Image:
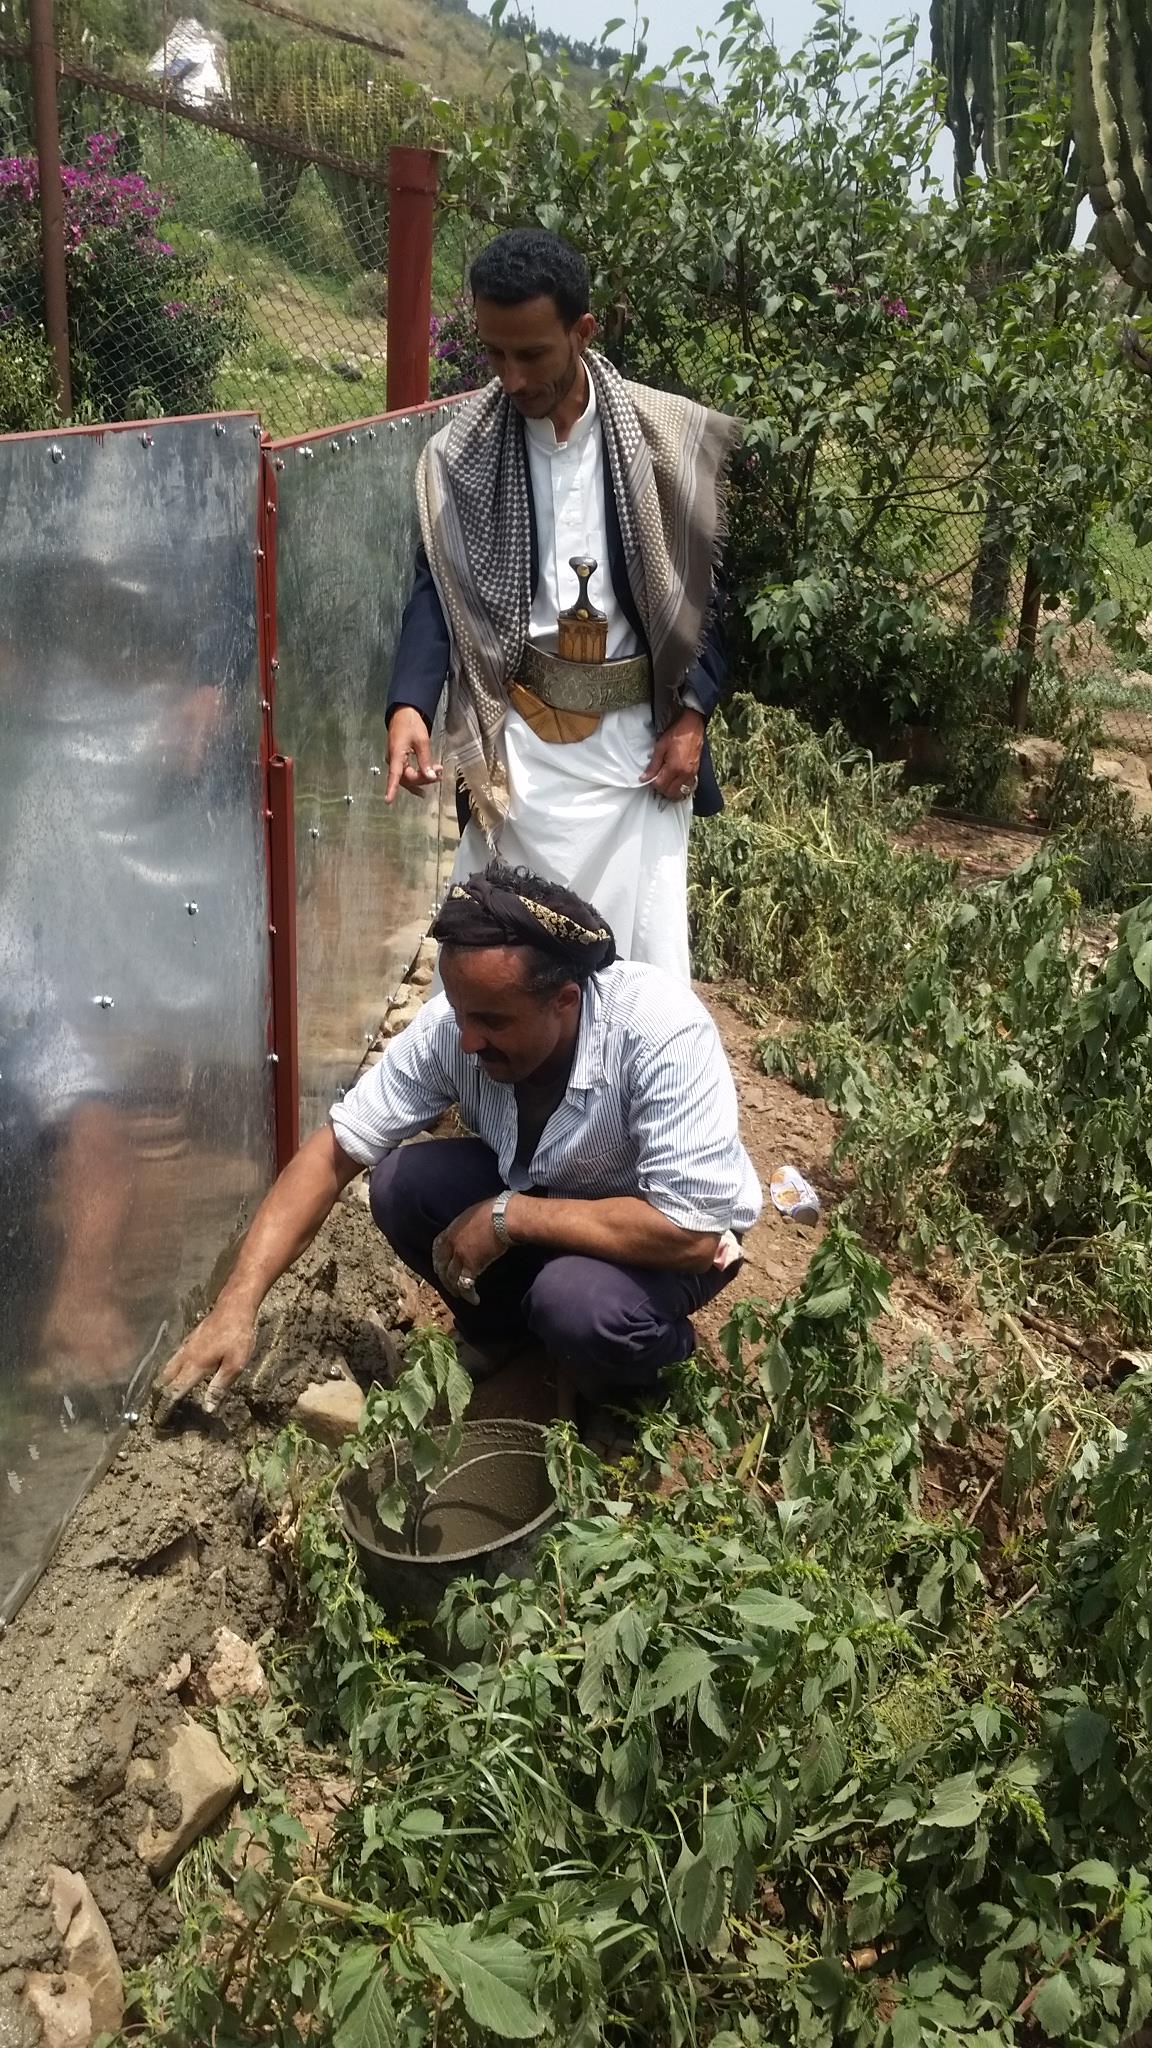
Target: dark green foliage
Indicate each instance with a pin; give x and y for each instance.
(754, 1758)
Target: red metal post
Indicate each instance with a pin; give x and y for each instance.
(42, 54)
(280, 821)
(282, 893)
(413, 180)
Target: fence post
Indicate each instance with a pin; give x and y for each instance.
(413, 180)
(42, 56)
(1026, 645)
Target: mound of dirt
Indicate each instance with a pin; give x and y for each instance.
(161, 1555)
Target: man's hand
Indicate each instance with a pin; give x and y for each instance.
(286, 1221)
(463, 1251)
(410, 763)
(217, 1350)
(675, 764)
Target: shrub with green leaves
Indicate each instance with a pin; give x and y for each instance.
(150, 326)
(755, 1757)
(932, 396)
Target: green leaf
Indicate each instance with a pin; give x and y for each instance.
(822, 1764)
(1096, 1875)
(392, 1506)
(371, 2022)
(422, 1821)
(492, 1972)
(956, 1803)
(1085, 1734)
(457, 1388)
(1056, 2006)
(822, 1307)
(677, 1674)
(904, 2028)
(1000, 1982)
(771, 1611)
(357, 1963)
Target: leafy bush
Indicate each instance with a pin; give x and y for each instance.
(459, 362)
(150, 326)
(756, 1757)
(368, 295)
(931, 394)
(996, 1095)
(27, 378)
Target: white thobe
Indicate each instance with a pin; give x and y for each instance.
(578, 812)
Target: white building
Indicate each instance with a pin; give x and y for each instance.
(193, 61)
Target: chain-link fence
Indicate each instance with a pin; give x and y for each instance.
(235, 255)
(933, 530)
(209, 267)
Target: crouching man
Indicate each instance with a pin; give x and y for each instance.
(600, 1202)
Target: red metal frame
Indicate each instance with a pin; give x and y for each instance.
(280, 836)
(282, 895)
(98, 432)
(376, 419)
(413, 184)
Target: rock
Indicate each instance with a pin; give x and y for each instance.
(422, 973)
(1129, 774)
(195, 1770)
(89, 1951)
(234, 1671)
(1038, 760)
(60, 2003)
(177, 1674)
(117, 1732)
(330, 1411)
(403, 1012)
(9, 1806)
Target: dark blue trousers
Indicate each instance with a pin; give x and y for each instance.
(613, 1328)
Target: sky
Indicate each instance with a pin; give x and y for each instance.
(672, 22)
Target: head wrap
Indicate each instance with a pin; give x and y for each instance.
(505, 907)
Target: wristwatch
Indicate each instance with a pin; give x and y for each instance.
(498, 1223)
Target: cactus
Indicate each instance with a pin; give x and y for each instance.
(1103, 50)
(1109, 51)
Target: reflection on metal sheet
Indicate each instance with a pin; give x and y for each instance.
(134, 1084)
(366, 871)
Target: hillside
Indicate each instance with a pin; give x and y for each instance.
(445, 46)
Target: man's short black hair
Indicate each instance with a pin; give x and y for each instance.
(532, 263)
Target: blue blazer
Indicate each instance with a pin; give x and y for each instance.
(420, 669)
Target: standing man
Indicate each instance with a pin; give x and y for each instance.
(577, 703)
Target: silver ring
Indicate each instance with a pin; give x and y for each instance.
(686, 789)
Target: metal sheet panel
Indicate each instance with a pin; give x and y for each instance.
(366, 872)
(134, 1084)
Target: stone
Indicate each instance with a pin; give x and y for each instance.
(330, 1411)
(177, 1674)
(9, 1806)
(422, 973)
(1038, 760)
(234, 1671)
(196, 1772)
(89, 1950)
(404, 1012)
(1129, 774)
(60, 2004)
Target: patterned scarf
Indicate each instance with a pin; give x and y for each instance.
(667, 459)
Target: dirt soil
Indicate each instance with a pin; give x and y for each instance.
(162, 1553)
(165, 1549)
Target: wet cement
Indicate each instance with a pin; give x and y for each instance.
(162, 1553)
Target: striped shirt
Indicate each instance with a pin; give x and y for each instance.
(649, 1110)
